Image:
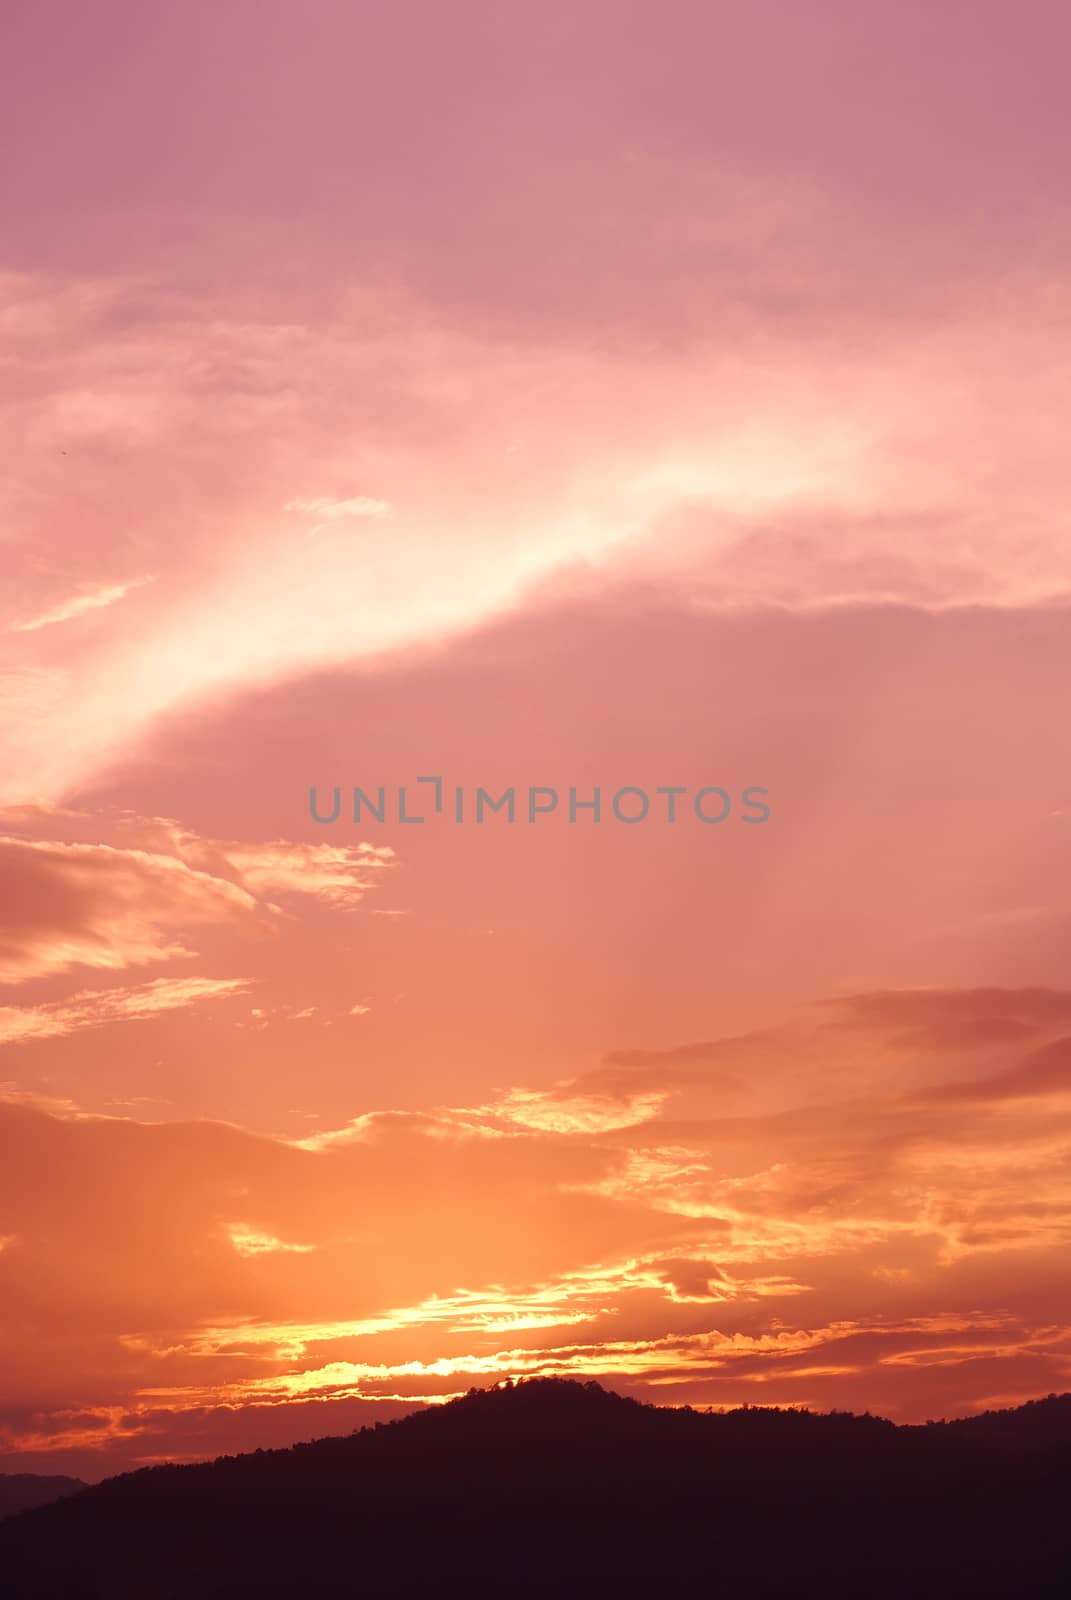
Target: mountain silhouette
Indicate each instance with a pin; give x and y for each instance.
(553, 1488)
(19, 1491)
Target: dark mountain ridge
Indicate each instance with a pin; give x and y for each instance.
(555, 1488)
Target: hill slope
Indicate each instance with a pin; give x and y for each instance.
(556, 1489)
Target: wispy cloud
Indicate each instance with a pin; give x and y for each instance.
(331, 510)
(93, 1009)
(252, 1242)
(337, 874)
(674, 1359)
(78, 604)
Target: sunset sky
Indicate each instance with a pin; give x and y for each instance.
(605, 394)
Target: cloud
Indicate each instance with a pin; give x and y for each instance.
(98, 906)
(934, 1006)
(750, 467)
(249, 1242)
(567, 1111)
(680, 1359)
(330, 510)
(339, 875)
(70, 902)
(1043, 1072)
(78, 605)
(96, 1008)
(414, 1253)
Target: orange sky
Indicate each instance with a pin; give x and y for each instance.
(563, 396)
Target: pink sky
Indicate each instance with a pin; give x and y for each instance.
(603, 394)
